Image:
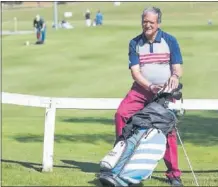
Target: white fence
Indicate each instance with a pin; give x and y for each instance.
(53, 103)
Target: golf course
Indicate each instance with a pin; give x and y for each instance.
(92, 62)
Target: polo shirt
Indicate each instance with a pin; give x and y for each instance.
(155, 59)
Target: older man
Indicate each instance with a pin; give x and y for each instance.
(154, 60)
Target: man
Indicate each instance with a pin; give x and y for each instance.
(40, 28)
(154, 60)
(99, 18)
(88, 18)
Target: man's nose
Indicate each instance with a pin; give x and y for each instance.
(148, 24)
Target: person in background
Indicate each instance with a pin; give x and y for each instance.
(88, 18)
(40, 28)
(99, 18)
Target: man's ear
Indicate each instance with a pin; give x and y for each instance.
(158, 25)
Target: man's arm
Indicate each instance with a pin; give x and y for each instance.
(137, 76)
(176, 63)
(177, 70)
(42, 24)
(34, 23)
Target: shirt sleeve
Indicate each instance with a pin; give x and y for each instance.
(133, 56)
(175, 53)
(34, 23)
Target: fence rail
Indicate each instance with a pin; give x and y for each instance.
(53, 103)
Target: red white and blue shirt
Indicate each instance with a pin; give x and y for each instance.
(155, 59)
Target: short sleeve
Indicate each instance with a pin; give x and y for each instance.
(175, 53)
(133, 55)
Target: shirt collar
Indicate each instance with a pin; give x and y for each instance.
(157, 38)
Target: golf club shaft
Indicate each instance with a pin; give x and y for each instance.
(195, 178)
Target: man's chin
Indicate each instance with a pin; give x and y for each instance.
(148, 34)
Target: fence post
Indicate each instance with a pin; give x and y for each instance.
(49, 130)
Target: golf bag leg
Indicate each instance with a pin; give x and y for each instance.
(189, 163)
(43, 35)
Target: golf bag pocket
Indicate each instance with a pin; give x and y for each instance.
(111, 159)
(136, 160)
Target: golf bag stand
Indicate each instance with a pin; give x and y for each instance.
(186, 156)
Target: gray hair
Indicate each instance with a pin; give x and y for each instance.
(154, 10)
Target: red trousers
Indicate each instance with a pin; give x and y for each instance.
(135, 101)
(38, 35)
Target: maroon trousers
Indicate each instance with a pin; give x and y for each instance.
(135, 101)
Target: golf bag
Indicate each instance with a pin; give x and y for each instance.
(142, 144)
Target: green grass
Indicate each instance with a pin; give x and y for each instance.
(93, 62)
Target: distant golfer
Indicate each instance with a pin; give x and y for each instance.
(40, 27)
(99, 18)
(88, 18)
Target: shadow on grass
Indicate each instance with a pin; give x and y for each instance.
(89, 167)
(95, 182)
(94, 167)
(104, 121)
(61, 138)
(30, 165)
(197, 129)
(200, 130)
(161, 179)
(34, 166)
(86, 167)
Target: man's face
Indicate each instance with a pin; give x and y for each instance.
(37, 18)
(150, 24)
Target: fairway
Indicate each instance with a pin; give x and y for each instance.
(93, 62)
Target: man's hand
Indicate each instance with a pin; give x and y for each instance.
(173, 82)
(155, 88)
